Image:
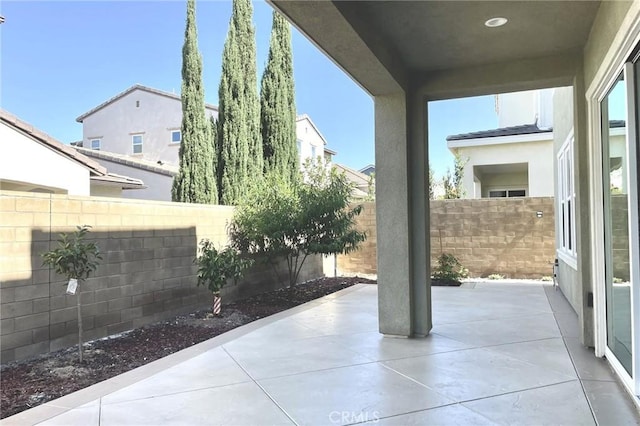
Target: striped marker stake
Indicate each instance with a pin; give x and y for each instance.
(217, 300)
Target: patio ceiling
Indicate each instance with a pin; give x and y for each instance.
(386, 44)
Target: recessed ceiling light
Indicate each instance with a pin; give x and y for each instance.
(496, 22)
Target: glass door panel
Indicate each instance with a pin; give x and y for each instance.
(616, 223)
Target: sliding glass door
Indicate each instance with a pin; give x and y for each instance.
(615, 184)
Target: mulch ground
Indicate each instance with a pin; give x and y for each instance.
(26, 384)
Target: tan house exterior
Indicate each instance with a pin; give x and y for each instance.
(141, 121)
(53, 167)
(405, 54)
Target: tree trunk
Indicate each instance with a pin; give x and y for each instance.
(79, 326)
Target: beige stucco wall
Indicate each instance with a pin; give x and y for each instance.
(525, 108)
(538, 155)
(155, 118)
(146, 275)
(25, 161)
(501, 181)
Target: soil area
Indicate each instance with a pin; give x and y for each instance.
(26, 384)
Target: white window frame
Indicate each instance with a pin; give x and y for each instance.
(134, 144)
(91, 141)
(625, 42)
(171, 141)
(506, 191)
(566, 198)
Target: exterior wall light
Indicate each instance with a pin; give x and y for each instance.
(496, 22)
(538, 214)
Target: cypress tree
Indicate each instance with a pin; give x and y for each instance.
(239, 138)
(195, 181)
(278, 106)
(215, 149)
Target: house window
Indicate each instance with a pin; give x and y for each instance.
(508, 193)
(313, 153)
(176, 136)
(95, 144)
(566, 200)
(137, 144)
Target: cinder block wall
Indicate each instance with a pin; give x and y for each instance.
(620, 237)
(488, 236)
(363, 260)
(146, 275)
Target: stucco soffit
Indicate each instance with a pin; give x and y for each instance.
(337, 30)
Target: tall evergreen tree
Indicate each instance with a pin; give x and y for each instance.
(215, 149)
(239, 138)
(278, 104)
(195, 181)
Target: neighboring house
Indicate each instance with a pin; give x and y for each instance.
(138, 132)
(157, 176)
(311, 144)
(141, 122)
(144, 122)
(32, 161)
(368, 170)
(514, 160)
(364, 186)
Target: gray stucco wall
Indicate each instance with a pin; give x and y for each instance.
(604, 29)
(563, 122)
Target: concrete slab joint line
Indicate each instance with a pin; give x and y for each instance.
(497, 355)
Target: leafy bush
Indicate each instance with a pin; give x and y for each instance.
(216, 267)
(292, 221)
(496, 277)
(74, 258)
(449, 268)
(546, 278)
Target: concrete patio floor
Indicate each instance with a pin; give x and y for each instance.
(499, 353)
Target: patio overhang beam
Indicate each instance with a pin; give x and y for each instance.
(514, 76)
(337, 30)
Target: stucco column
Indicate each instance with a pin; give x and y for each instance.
(402, 216)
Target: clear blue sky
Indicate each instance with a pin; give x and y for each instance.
(61, 58)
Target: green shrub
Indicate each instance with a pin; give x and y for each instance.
(74, 258)
(449, 268)
(546, 278)
(292, 221)
(216, 267)
(496, 277)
